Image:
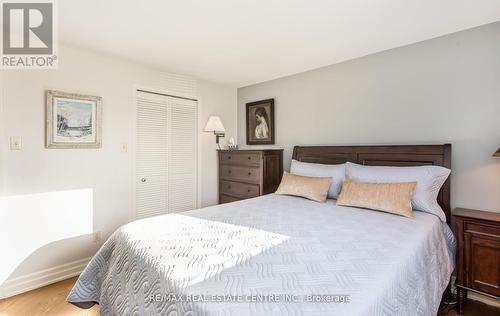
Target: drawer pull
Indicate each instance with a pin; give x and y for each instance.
(229, 171)
(228, 157)
(249, 190)
(249, 158)
(249, 173)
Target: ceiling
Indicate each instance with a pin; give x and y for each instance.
(242, 42)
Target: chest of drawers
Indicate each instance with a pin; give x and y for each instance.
(248, 173)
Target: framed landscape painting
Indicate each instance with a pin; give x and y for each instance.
(260, 122)
(73, 120)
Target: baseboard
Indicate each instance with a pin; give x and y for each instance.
(41, 278)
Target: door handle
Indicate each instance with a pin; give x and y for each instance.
(143, 180)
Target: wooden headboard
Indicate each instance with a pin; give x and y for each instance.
(393, 155)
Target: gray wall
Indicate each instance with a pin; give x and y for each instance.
(444, 90)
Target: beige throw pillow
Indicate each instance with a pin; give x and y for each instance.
(312, 188)
(392, 198)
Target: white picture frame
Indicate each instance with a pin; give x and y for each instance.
(72, 120)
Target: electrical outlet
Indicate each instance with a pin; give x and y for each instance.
(16, 143)
(97, 237)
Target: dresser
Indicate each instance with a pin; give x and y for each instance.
(478, 253)
(245, 174)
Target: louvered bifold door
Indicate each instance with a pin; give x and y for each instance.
(167, 154)
(152, 155)
(183, 158)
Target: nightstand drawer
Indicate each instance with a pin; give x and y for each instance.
(237, 173)
(240, 158)
(482, 229)
(240, 189)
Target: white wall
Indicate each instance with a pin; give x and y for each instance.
(222, 102)
(106, 171)
(444, 90)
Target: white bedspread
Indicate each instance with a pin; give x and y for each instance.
(279, 249)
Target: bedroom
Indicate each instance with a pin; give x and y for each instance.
(98, 144)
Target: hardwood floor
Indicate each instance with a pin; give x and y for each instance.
(472, 308)
(51, 300)
(48, 300)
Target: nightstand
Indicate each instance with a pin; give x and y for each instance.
(478, 253)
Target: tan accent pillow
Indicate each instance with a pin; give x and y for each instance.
(312, 188)
(392, 198)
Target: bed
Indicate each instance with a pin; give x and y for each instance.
(280, 255)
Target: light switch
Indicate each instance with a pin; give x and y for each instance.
(124, 147)
(16, 143)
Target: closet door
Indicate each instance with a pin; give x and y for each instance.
(183, 162)
(166, 156)
(151, 155)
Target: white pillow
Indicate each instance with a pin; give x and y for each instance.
(337, 172)
(429, 180)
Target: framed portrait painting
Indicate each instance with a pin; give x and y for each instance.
(260, 122)
(73, 120)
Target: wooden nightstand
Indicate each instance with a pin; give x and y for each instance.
(478, 253)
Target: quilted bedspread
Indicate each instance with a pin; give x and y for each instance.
(272, 255)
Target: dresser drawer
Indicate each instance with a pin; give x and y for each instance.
(227, 199)
(240, 158)
(482, 229)
(240, 173)
(240, 189)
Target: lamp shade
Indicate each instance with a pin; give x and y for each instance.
(214, 124)
(497, 153)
